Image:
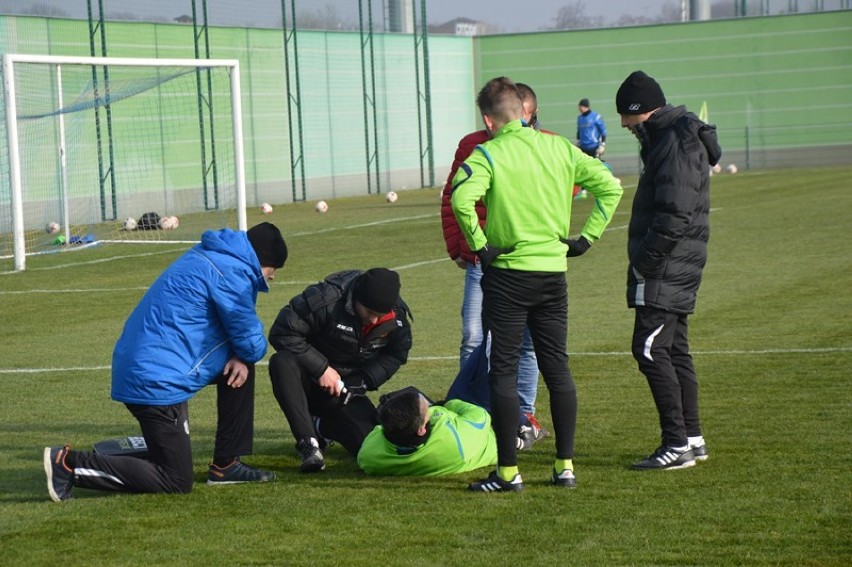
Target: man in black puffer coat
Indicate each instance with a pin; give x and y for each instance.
(667, 249)
(335, 341)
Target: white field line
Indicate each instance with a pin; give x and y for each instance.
(780, 351)
(294, 234)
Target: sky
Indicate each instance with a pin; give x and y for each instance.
(507, 15)
(535, 14)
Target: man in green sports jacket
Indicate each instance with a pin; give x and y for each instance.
(525, 180)
(416, 439)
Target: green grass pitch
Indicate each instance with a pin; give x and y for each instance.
(771, 338)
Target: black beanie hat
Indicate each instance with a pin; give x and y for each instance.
(639, 94)
(377, 289)
(584, 102)
(268, 244)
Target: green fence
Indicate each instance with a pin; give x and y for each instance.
(778, 88)
(332, 99)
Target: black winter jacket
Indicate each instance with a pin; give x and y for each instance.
(321, 328)
(670, 226)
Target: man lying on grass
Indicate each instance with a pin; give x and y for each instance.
(418, 437)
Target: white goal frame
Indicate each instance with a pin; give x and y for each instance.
(9, 61)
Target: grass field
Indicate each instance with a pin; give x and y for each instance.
(771, 338)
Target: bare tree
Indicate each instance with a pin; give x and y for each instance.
(573, 17)
(45, 10)
(122, 16)
(326, 17)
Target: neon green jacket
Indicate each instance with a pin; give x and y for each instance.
(461, 440)
(514, 173)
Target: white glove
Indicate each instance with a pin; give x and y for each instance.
(601, 149)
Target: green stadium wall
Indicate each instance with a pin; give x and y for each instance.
(778, 88)
(332, 104)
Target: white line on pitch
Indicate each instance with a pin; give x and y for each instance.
(431, 358)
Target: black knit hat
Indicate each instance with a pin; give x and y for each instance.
(584, 102)
(639, 94)
(377, 289)
(268, 244)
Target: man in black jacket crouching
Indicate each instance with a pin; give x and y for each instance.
(335, 341)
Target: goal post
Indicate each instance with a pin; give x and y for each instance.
(93, 144)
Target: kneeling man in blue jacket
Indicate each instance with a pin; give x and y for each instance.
(195, 326)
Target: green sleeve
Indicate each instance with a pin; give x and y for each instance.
(594, 176)
(470, 184)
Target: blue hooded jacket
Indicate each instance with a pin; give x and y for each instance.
(198, 314)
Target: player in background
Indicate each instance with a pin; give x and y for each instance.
(591, 130)
(591, 136)
(195, 326)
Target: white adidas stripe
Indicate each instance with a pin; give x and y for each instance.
(94, 473)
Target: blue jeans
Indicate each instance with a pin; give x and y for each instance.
(472, 336)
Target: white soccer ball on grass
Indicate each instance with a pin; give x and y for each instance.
(731, 169)
(392, 197)
(266, 208)
(52, 228)
(321, 206)
(129, 223)
(169, 223)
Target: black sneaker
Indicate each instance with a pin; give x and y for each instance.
(667, 458)
(237, 472)
(700, 452)
(565, 479)
(496, 484)
(60, 477)
(529, 433)
(312, 459)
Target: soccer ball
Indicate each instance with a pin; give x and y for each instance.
(717, 168)
(266, 208)
(731, 169)
(392, 197)
(321, 207)
(52, 227)
(130, 223)
(169, 223)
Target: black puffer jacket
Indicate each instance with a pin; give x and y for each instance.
(321, 328)
(670, 227)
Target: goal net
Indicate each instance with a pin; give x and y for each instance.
(116, 150)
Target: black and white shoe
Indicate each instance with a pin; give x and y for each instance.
(565, 479)
(496, 484)
(312, 459)
(60, 477)
(667, 458)
(700, 452)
